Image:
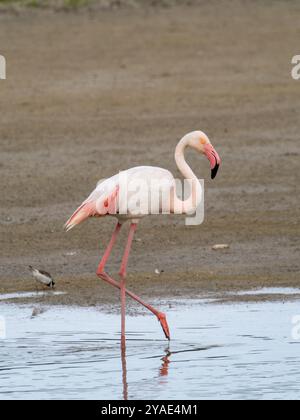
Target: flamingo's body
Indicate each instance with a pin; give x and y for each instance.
(113, 197)
(102, 201)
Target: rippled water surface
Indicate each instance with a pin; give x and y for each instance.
(239, 351)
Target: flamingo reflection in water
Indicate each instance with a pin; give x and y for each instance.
(163, 369)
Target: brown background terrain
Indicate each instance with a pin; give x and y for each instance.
(92, 91)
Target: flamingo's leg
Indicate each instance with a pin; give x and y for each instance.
(160, 315)
(109, 248)
(104, 276)
(122, 274)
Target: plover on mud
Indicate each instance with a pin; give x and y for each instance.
(42, 277)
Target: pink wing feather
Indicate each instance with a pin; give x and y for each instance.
(94, 207)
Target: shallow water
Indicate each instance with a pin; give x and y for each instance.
(29, 295)
(239, 351)
(270, 291)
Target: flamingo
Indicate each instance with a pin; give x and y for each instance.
(111, 196)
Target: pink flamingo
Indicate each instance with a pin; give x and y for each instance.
(110, 197)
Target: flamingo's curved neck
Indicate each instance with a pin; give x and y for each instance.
(181, 163)
(190, 205)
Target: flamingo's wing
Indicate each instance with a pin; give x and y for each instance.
(101, 202)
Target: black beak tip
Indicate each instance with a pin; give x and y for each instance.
(214, 171)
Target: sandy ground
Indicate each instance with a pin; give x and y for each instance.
(90, 93)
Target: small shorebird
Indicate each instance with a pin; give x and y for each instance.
(110, 196)
(42, 277)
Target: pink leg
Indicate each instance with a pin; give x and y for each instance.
(104, 276)
(109, 248)
(122, 273)
(160, 316)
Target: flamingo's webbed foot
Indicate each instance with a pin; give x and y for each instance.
(164, 324)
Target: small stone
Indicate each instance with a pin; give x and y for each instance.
(220, 246)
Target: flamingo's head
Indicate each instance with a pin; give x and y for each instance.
(200, 142)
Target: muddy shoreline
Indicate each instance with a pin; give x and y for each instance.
(88, 95)
(162, 289)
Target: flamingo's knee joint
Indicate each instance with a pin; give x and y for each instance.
(100, 273)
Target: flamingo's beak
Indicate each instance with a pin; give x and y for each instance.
(214, 159)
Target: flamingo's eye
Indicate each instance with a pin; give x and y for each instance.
(203, 141)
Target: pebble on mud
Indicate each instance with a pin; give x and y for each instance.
(220, 246)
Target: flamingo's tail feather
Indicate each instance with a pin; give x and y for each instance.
(100, 207)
